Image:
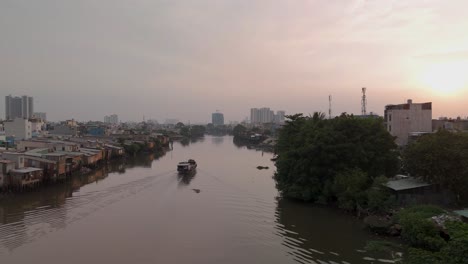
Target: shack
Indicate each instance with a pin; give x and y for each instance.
(21, 179)
(410, 190)
(5, 167)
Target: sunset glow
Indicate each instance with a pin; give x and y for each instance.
(446, 78)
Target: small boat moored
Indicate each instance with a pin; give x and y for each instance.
(186, 166)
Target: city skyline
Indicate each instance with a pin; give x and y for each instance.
(147, 59)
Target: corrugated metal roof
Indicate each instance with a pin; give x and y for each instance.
(26, 170)
(406, 184)
(463, 212)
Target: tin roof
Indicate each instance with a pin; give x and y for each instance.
(26, 170)
(463, 212)
(406, 184)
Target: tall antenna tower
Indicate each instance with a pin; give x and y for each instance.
(329, 106)
(363, 102)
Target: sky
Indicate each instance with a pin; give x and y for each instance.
(186, 59)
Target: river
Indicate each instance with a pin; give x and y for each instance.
(142, 211)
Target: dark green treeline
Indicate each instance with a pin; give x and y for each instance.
(343, 160)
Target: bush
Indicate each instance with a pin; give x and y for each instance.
(418, 230)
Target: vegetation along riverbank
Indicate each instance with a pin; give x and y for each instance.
(349, 162)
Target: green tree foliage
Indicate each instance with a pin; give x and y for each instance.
(327, 160)
(185, 131)
(441, 158)
(197, 131)
(424, 238)
(379, 198)
(179, 125)
(417, 230)
(350, 188)
(239, 130)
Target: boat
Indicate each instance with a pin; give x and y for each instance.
(186, 166)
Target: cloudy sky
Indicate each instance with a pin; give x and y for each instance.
(186, 59)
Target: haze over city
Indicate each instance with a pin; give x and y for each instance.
(185, 59)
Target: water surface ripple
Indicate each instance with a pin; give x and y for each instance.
(142, 211)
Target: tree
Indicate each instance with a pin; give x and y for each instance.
(185, 131)
(318, 157)
(179, 125)
(440, 158)
(197, 131)
(239, 130)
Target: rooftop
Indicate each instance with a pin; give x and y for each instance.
(26, 170)
(406, 184)
(463, 212)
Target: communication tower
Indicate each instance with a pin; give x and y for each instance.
(363, 102)
(329, 106)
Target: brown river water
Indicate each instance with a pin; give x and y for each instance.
(142, 211)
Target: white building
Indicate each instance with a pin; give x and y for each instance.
(403, 120)
(112, 119)
(261, 115)
(37, 125)
(265, 115)
(279, 117)
(19, 128)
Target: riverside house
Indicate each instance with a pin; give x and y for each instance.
(23, 178)
(5, 167)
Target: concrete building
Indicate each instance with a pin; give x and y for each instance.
(18, 107)
(64, 130)
(403, 120)
(217, 119)
(19, 128)
(40, 115)
(111, 119)
(266, 115)
(457, 124)
(279, 117)
(261, 115)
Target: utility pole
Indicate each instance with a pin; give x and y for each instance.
(329, 107)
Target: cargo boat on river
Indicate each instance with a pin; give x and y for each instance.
(186, 167)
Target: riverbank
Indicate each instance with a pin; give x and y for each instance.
(36, 163)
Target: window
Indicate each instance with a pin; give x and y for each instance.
(390, 117)
(390, 128)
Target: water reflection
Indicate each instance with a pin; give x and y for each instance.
(217, 140)
(27, 216)
(187, 141)
(185, 179)
(184, 142)
(323, 235)
(234, 216)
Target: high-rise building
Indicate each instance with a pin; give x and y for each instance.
(404, 120)
(279, 117)
(261, 115)
(18, 107)
(112, 119)
(217, 119)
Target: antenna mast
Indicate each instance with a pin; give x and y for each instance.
(329, 106)
(363, 102)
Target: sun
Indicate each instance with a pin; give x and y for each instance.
(446, 78)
